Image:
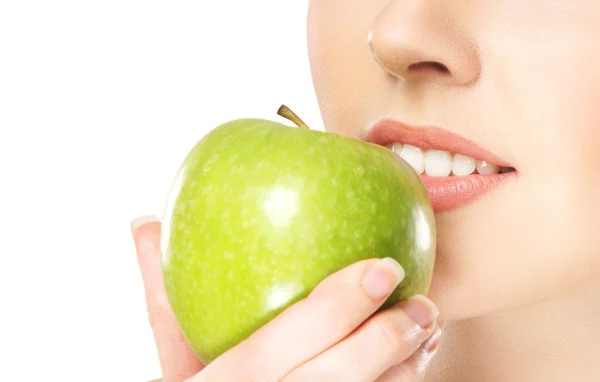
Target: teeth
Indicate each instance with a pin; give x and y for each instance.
(443, 163)
(438, 163)
(414, 156)
(463, 165)
(485, 168)
(396, 147)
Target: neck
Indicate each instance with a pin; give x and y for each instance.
(553, 340)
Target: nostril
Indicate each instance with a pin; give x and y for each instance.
(424, 65)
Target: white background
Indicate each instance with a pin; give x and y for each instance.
(99, 103)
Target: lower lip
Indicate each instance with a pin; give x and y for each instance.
(450, 192)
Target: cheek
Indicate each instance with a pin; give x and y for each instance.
(341, 63)
(546, 94)
(539, 235)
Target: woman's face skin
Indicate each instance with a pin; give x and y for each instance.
(522, 82)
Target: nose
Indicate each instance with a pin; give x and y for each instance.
(422, 41)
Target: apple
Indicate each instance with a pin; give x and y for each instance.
(260, 213)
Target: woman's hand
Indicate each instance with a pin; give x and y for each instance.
(331, 335)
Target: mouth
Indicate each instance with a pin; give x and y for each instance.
(454, 170)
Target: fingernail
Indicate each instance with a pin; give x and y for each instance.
(138, 222)
(381, 279)
(432, 342)
(422, 310)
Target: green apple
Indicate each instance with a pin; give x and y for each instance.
(260, 213)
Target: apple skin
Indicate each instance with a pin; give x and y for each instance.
(260, 213)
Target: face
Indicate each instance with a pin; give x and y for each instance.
(519, 80)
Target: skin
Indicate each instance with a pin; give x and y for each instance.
(517, 271)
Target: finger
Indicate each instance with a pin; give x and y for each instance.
(338, 305)
(177, 360)
(414, 368)
(386, 339)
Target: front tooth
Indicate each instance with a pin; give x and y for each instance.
(396, 147)
(463, 165)
(486, 168)
(414, 156)
(438, 163)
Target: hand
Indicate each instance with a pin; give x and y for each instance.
(331, 335)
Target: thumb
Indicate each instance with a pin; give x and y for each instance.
(177, 360)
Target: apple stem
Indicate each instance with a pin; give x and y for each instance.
(288, 114)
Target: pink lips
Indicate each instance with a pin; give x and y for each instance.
(447, 192)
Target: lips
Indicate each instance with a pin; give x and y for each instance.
(445, 192)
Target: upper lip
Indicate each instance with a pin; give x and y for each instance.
(387, 131)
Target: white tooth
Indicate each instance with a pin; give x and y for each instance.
(463, 165)
(396, 147)
(438, 163)
(414, 156)
(486, 168)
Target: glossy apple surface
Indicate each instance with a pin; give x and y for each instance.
(261, 212)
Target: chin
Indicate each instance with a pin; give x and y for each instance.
(459, 302)
(461, 293)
